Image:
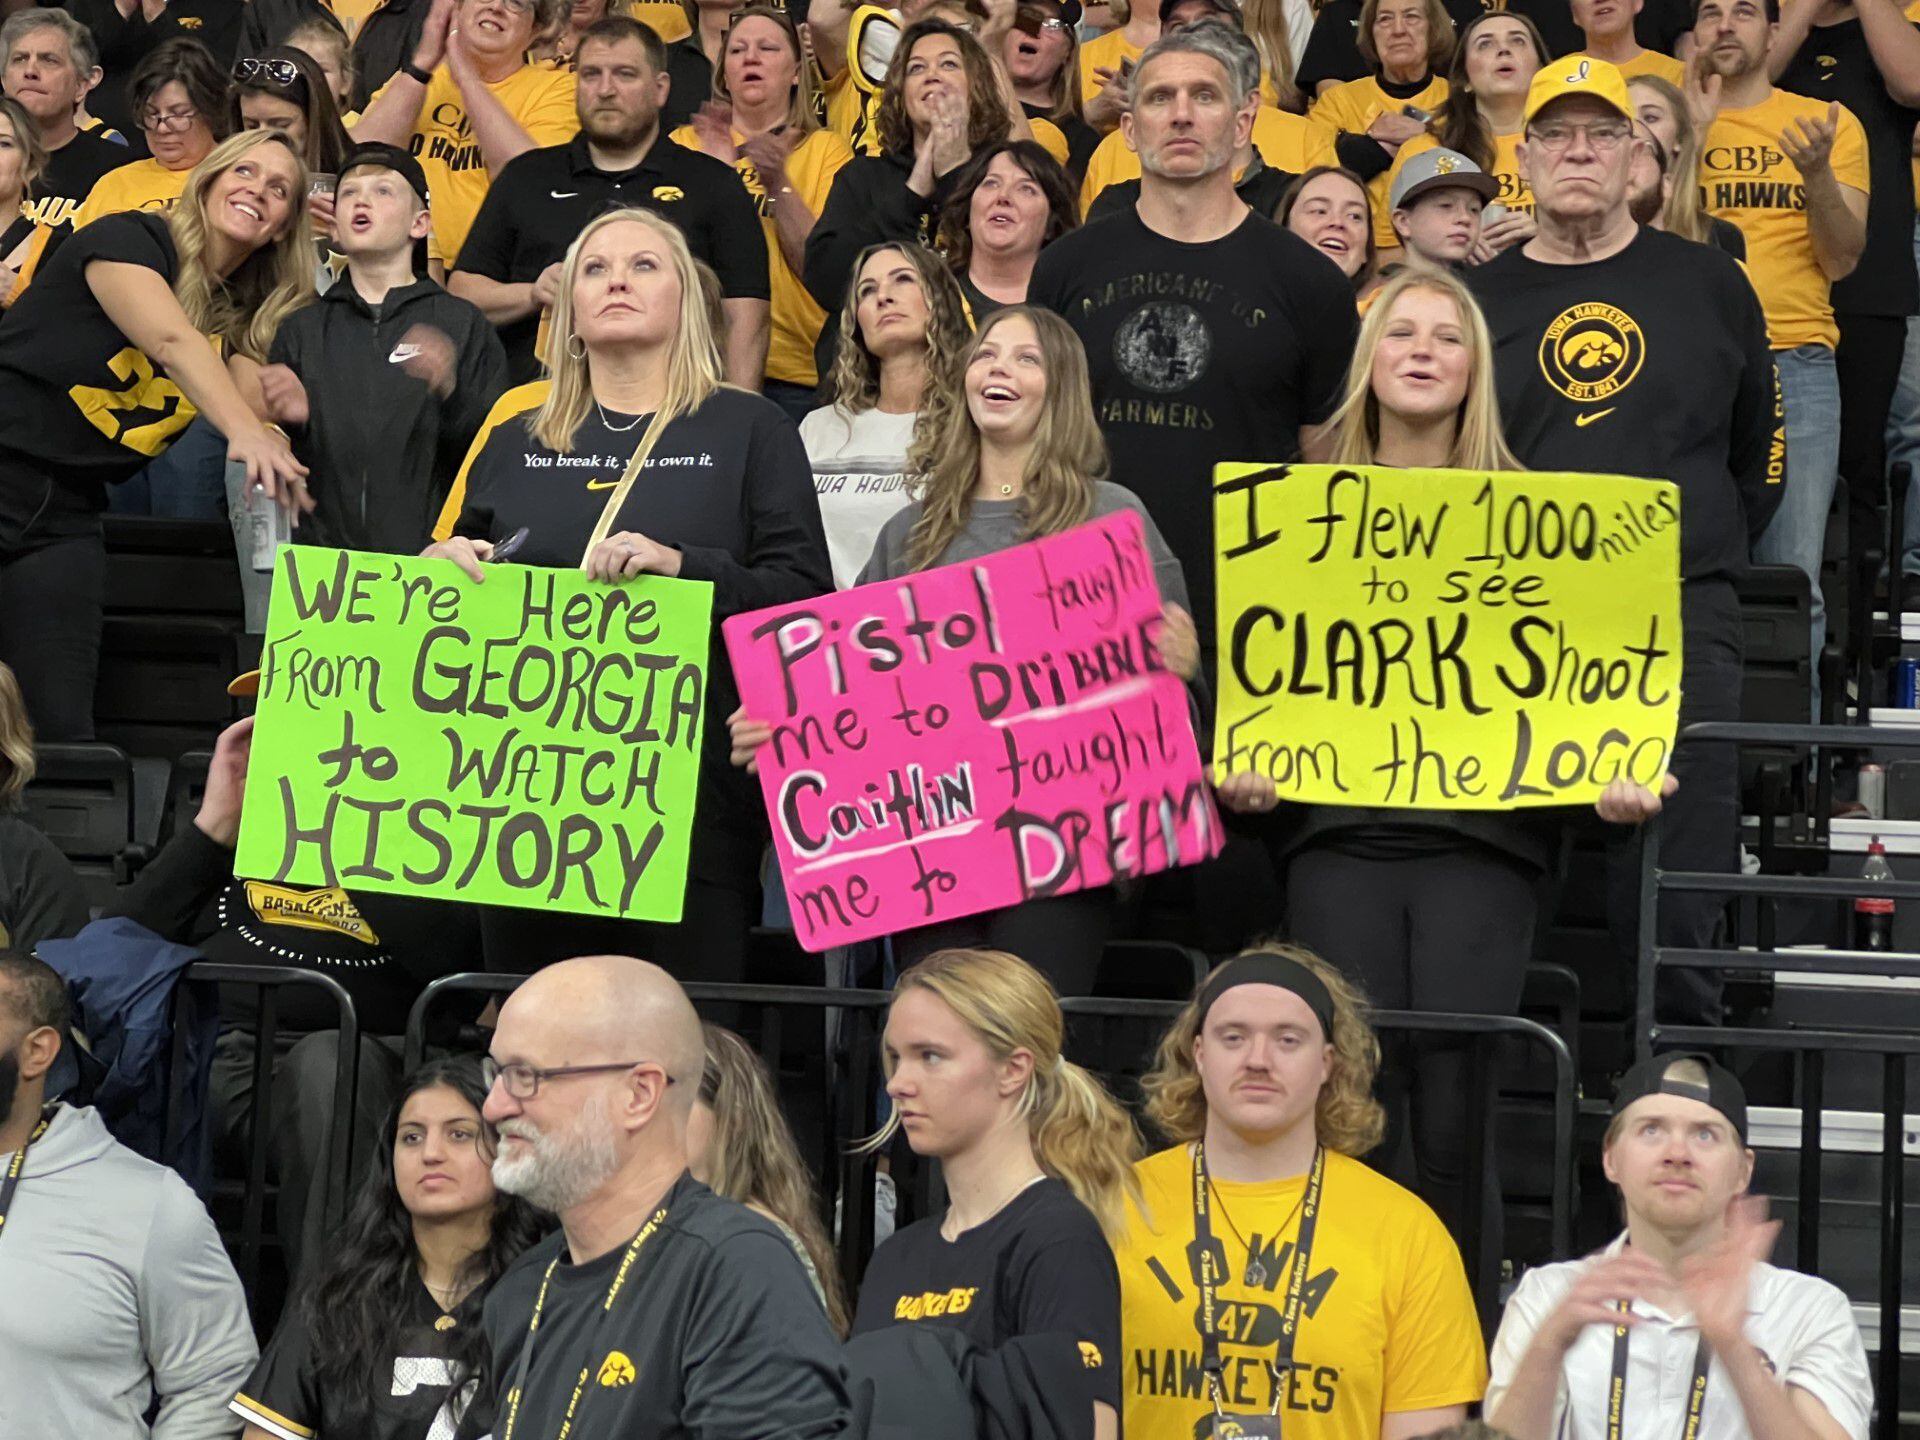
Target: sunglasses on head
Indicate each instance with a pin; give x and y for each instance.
(763, 12)
(1031, 21)
(252, 71)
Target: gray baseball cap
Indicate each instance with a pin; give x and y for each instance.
(1437, 170)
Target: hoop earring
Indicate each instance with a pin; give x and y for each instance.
(579, 354)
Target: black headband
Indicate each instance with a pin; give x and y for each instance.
(1264, 967)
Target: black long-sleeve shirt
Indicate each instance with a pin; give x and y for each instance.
(382, 446)
(729, 486)
(1651, 362)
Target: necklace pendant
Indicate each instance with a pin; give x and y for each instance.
(1006, 489)
(1256, 1274)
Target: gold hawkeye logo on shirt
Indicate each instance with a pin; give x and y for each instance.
(1592, 351)
(1090, 1355)
(616, 1370)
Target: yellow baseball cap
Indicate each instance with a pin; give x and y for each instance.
(1577, 75)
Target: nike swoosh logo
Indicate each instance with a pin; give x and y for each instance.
(564, 194)
(603, 484)
(1582, 421)
(403, 353)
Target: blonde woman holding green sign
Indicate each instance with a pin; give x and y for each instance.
(1426, 909)
(641, 461)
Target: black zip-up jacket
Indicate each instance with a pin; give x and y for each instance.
(386, 40)
(869, 202)
(383, 448)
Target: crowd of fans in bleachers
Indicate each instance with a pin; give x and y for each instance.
(912, 286)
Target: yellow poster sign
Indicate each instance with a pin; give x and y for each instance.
(1445, 639)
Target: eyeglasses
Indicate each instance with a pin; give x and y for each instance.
(174, 120)
(252, 71)
(1033, 22)
(1557, 135)
(523, 1081)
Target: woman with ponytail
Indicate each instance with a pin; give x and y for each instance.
(640, 461)
(1038, 1164)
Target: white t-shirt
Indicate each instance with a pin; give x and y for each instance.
(1803, 1327)
(860, 475)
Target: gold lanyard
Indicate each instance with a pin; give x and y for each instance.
(606, 1308)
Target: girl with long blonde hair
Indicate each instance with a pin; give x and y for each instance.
(1020, 457)
(739, 1145)
(1428, 909)
(1666, 118)
(1038, 1164)
(1327, 1288)
(111, 361)
(641, 461)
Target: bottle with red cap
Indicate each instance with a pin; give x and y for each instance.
(1873, 914)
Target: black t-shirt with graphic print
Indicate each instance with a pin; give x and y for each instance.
(1039, 1267)
(1651, 362)
(285, 1397)
(1199, 354)
(101, 410)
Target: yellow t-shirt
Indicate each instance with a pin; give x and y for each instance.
(1050, 138)
(1745, 177)
(1354, 105)
(796, 316)
(1104, 52)
(1515, 193)
(1388, 1324)
(540, 101)
(666, 17)
(141, 185)
(517, 401)
(1286, 141)
(1652, 62)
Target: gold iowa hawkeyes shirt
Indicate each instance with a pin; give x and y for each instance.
(1389, 1320)
(1746, 177)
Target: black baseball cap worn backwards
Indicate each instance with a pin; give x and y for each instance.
(1721, 1092)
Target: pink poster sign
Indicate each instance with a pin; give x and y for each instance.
(967, 738)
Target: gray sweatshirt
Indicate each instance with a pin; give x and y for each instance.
(114, 1287)
(994, 525)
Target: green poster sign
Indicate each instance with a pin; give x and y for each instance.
(532, 740)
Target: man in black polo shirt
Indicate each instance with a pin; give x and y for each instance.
(1626, 350)
(542, 200)
(661, 1310)
(50, 63)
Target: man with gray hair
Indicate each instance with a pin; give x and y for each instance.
(661, 1309)
(1211, 334)
(51, 63)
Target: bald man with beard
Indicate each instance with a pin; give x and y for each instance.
(660, 1309)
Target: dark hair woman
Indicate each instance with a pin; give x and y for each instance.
(1019, 457)
(1009, 202)
(108, 351)
(284, 88)
(1493, 64)
(1331, 209)
(942, 104)
(400, 1298)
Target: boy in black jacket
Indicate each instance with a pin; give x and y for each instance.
(384, 381)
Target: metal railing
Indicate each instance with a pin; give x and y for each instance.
(1809, 1048)
(851, 1021)
(270, 980)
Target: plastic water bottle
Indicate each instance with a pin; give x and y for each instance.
(268, 528)
(1873, 914)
